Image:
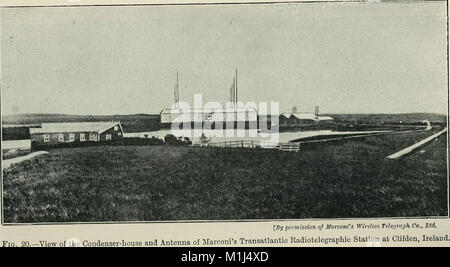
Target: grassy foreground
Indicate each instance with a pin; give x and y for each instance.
(352, 179)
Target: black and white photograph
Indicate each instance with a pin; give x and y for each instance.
(237, 112)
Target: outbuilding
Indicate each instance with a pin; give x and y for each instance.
(304, 119)
(76, 132)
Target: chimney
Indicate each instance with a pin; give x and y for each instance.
(316, 111)
(294, 110)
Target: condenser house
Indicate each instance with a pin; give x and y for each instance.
(247, 116)
(59, 133)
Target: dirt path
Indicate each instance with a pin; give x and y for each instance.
(9, 162)
(410, 149)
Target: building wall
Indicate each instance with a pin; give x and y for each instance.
(293, 121)
(54, 138)
(115, 134)
(244, 116)
(38, 138)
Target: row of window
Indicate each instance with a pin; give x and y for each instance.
(92, 137)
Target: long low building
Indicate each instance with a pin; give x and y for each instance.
(60, 133)
(298, 119)
(246, 116)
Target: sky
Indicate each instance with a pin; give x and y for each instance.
(346, 58)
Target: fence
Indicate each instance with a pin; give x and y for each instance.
(231, 144)
(291, 147)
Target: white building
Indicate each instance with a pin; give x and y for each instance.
(247, 115)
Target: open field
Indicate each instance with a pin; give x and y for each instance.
(351, 179)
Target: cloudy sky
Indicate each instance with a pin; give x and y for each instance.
(347, 58)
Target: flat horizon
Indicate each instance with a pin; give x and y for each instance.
(155, 114)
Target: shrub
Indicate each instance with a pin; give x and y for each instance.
(173, 140)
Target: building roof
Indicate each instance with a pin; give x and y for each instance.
(206, 110)
(20, 125)
(73, 127)
(325, 118)
(300, 116)
(307, 116)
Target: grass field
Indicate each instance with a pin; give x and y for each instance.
(351, 179)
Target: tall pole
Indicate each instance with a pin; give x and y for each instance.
(176, 94)
(236, 90)
(236, 98)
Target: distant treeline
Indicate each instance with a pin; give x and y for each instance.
(409, 118)
(15, 133)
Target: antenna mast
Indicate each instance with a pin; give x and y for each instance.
(176, 94)
(236, 90)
